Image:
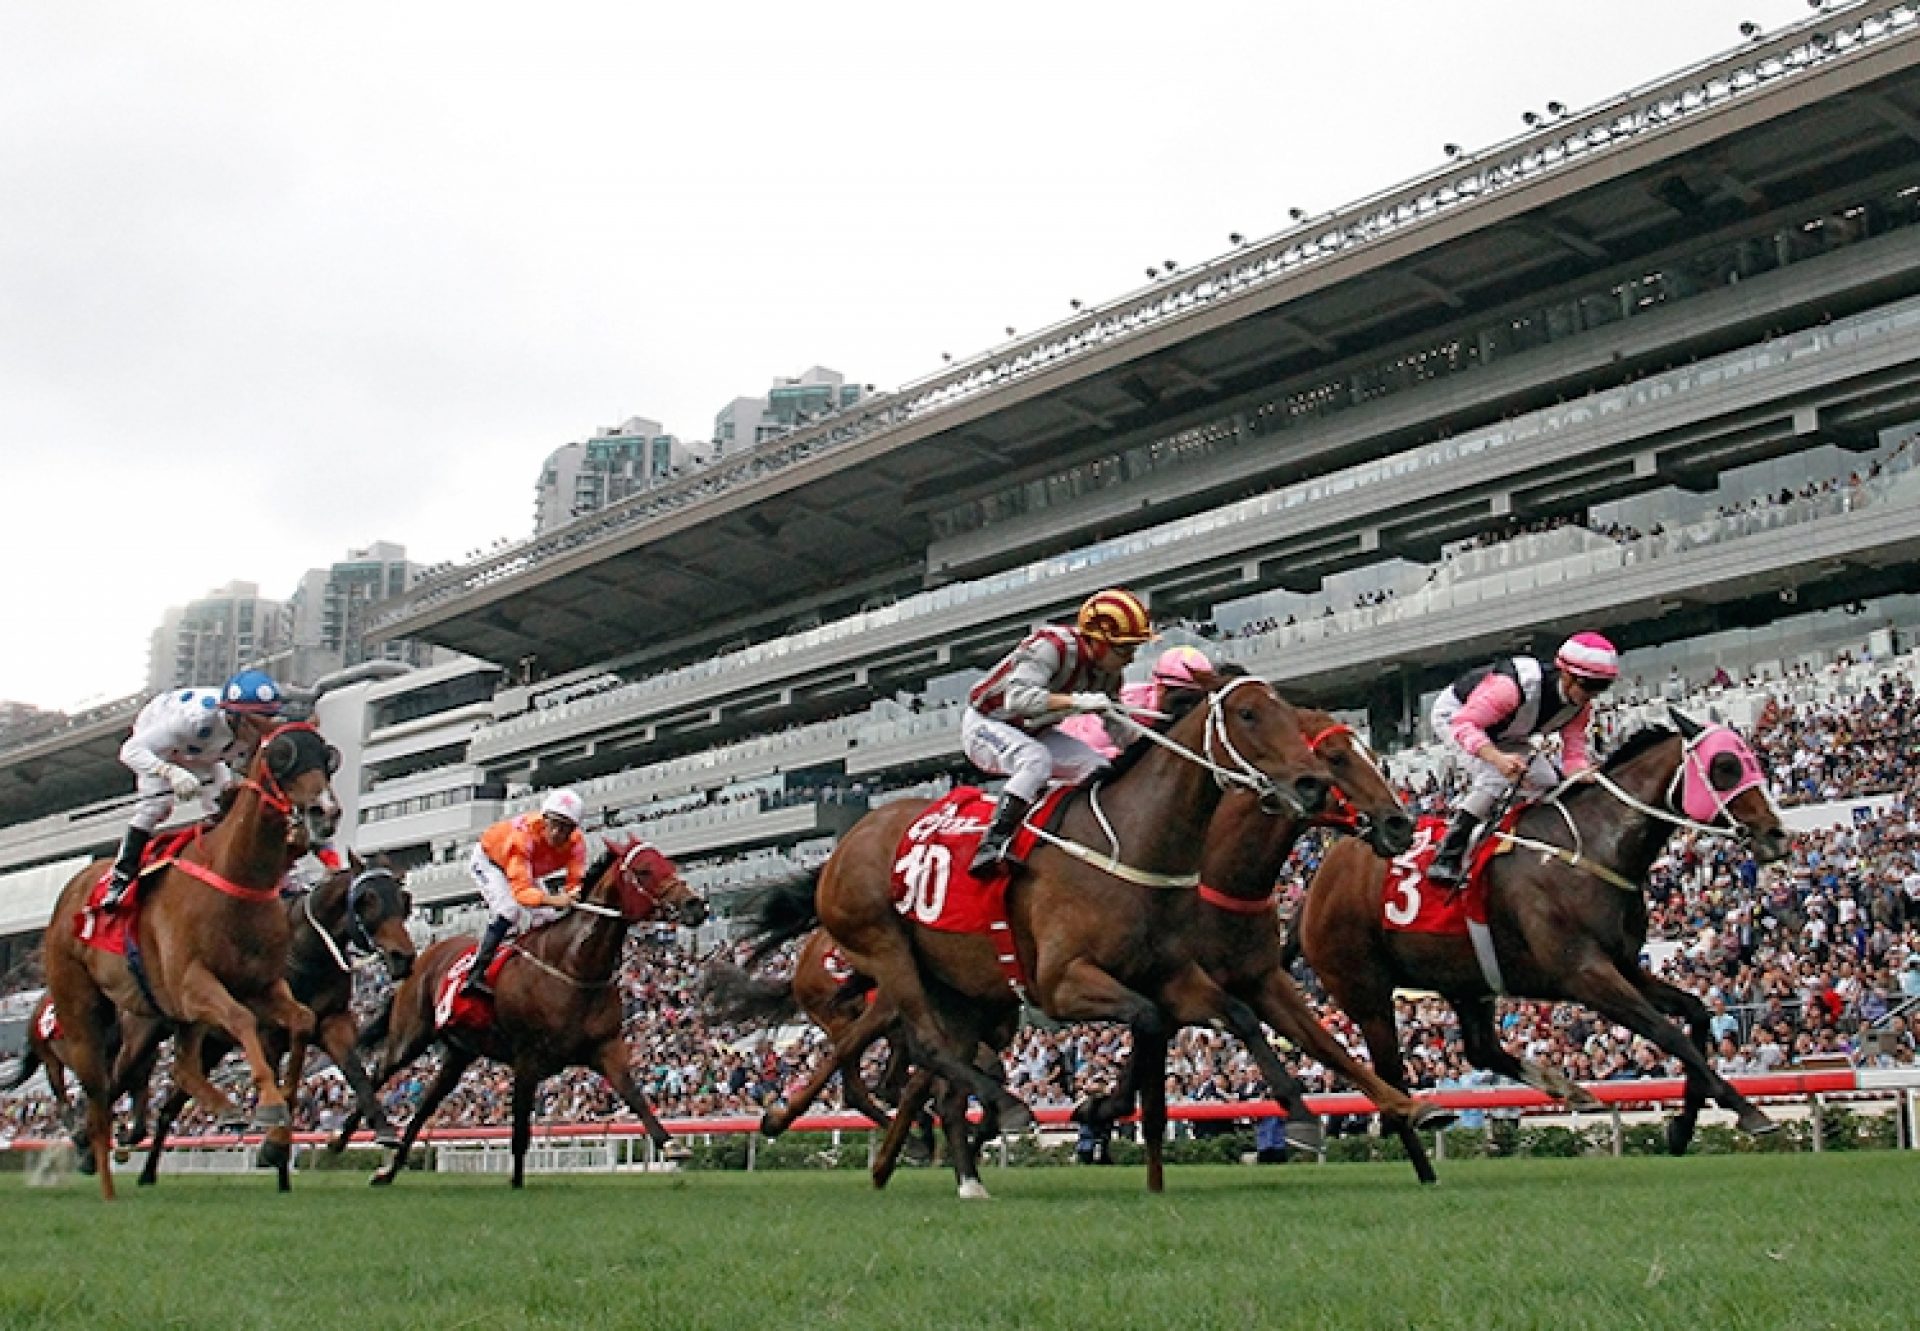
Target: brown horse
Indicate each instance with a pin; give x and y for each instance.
(212, 941)
(1567, 921)
(1228, 928)
(557, 1002)
(1086, 923)
(357, 909)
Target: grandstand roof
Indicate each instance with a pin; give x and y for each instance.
(819, 521)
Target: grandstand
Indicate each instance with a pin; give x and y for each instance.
(1648, 368)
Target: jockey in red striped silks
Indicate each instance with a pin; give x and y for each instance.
(1011, 724)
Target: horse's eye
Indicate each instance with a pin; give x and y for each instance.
(1244, 714)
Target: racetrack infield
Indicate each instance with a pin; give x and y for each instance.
(1708, 1243)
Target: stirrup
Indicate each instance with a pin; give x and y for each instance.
(116, 895)
(476, 986)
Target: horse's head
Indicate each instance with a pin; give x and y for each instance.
(293, 772)
(377, 912)
(643, 884)
(1722, 784)
(1379, 816)
(1253, 738)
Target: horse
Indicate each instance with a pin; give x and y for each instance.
(1230, 930)
(211, 940)
(356, 909)
(1082, 927)
(1567, 922)
(556, 1001)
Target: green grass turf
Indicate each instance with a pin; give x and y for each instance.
(1708, 1244)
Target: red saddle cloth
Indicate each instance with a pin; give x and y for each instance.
(108, 931)
(1410, 904)
(46, 1021)
(456, 1010)
(933, 886)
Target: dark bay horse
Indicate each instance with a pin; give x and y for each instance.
(557, 1002)
(212, 934)
(1086, 923)
(1561, 931)
(358, 909)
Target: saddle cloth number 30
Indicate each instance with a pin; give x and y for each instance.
(925, 870)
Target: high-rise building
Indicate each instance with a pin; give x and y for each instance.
(211, 638)
(619, 460)
(328, 612)
(788, 405)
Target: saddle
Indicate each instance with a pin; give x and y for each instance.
(456, 1009)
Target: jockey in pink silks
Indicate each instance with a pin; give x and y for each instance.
(1491, 716)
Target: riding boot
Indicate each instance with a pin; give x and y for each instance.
(1448, 868)
(126, 865)
(496, 934)
(995, 845)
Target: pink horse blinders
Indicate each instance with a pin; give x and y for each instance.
(1700, 798)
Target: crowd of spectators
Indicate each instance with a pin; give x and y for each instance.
(1812, 960)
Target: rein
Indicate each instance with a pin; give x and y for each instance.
(353, 918)
(1243, 773)
(254, 895)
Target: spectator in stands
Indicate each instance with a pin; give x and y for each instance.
(1011, 726)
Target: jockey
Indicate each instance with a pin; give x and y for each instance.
(1491, 713)
(1011, 723)
(512, 864)
(182, 740)
(1175, 669)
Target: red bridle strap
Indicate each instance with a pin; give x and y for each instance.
(1213, 896)
(253, 894)
(271, 793)
(1340, 813)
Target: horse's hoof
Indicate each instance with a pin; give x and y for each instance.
(145, 1181)
(1756, 1124)
(973, 1190)
(1307, 1134)
(84, 1165)
(121, 1155)
(272, 1154)
(1016, 1117)
(1433, 1117)
(381, 1179)
(1584, 1100)
(771, 1125)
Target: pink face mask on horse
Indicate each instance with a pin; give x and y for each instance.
(1718, 768)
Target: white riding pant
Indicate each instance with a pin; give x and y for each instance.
(497, 892)
(1027, 761)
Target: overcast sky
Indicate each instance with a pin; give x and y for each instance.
(279, 281)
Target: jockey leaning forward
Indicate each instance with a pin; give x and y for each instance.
(182, 740)
(1491, 715)
(513, 864)
(1011, 723)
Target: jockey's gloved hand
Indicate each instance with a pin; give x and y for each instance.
(186, 786)
(1093, 702)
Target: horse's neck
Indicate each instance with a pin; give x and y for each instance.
(323, 911)
(1160, 807)
(1247, 848)
(1615, 833)
(584, 945)
(247, 847)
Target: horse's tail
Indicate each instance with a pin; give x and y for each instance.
(732, 995)
(781, 914)
(29, 1064)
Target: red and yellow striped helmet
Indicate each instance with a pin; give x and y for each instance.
(1117, 616)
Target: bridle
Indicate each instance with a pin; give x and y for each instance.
(357, 931)
(1242, 773)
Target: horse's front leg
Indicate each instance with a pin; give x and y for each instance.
(1080, 991)
(526, 1080)
(190, 1075)
(613, 1061)
(340, 1038)
(913, 1100)
(1600, 985)
(454, 1063)
(1676, 1002)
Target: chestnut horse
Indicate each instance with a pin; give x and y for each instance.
(1566, 914)
(358, 909)
(557, 1001)
(212, 938)
(1084, 929)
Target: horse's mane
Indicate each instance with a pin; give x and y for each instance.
(1177, 703)
(1636, 744)
(599, 867)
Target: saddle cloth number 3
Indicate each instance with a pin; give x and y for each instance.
(925, 870)
(1403, 890)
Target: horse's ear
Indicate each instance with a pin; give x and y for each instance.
(1690, 729)
(282, 756)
